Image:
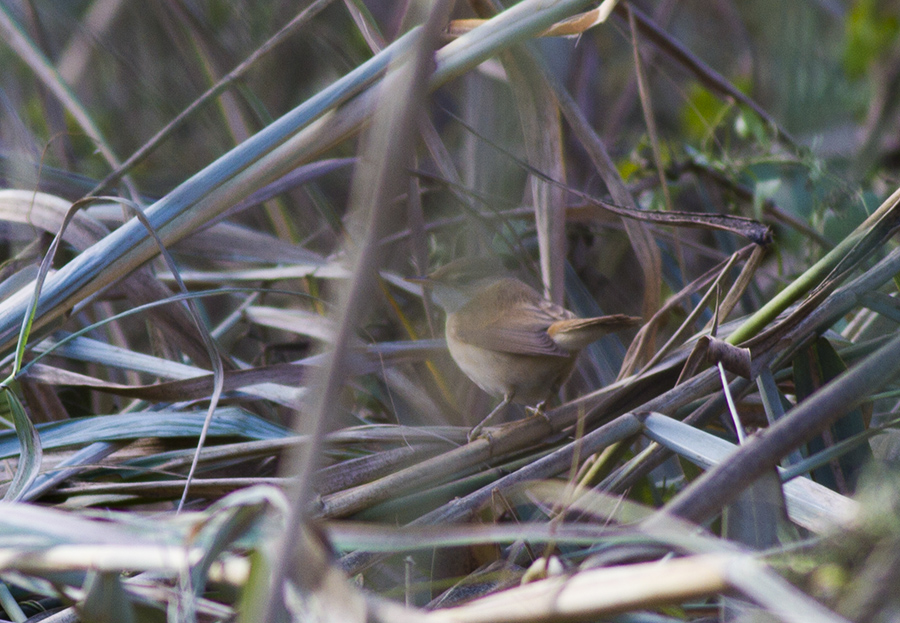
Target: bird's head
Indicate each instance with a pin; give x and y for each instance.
(454, 284)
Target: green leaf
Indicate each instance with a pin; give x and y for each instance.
(870, 33)
(227, 422)
(28, 445)
(702, 114)
(814, 367)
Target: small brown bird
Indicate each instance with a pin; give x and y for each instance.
(506, 337)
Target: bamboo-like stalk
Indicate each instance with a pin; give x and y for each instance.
(814, 275)
(724, 483)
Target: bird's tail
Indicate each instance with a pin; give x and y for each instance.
(576, 333)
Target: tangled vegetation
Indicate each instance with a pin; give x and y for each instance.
(224, 400)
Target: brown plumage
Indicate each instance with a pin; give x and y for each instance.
(506, 337)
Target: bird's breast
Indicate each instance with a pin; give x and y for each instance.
(529, 379)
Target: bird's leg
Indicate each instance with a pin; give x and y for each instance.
(480, 426)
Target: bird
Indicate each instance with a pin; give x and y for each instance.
(504, 335)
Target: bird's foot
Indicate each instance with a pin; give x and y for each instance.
(539, 411)
(480, 433)
(475, 432)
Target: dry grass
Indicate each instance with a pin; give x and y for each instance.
(224, 402)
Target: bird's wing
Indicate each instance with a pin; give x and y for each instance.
(507, 340)
(520, 329)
